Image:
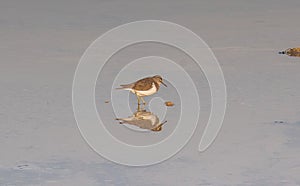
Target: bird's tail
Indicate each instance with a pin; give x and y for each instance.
(128, 86)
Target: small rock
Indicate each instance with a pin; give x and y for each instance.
(278, 121)
(291, 52)
(169, 103)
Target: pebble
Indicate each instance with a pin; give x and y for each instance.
(169, 103)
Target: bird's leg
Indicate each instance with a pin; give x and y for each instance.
(138, 98)
(144, 102)
(138, 109)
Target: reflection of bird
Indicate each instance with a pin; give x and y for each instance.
(144, 120)
(144, 87)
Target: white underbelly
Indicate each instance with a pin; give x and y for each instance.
(147, 92)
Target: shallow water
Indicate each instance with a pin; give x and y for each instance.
(42, 42)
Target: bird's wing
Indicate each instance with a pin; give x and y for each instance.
(143, 84)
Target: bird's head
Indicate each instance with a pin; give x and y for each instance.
(158, 79)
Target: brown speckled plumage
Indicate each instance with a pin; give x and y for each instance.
(145, 84)
(144, 87)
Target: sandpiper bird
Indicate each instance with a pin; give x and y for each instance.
(144, 87)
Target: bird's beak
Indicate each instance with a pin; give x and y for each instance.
(164, 84)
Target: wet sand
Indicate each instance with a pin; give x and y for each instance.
(42, 42)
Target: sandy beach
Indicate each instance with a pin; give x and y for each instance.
(42, 43)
